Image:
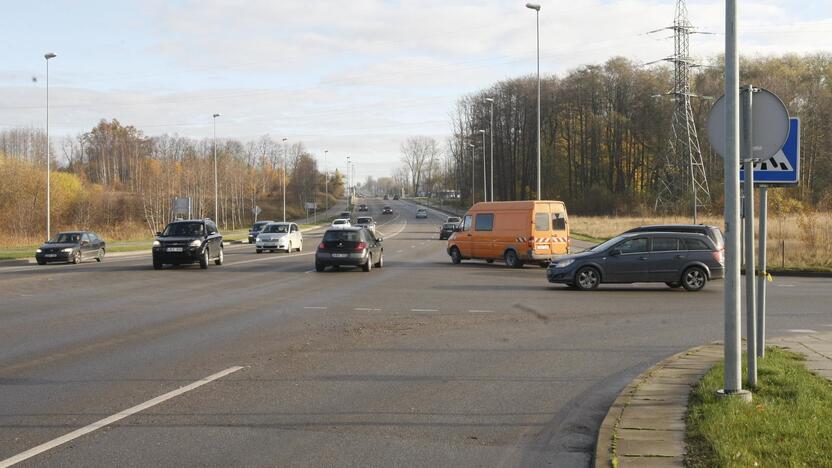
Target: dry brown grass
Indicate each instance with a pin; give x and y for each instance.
(795, 241)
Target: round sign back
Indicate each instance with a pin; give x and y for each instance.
(770, 125)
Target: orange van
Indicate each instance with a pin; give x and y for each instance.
(518, 232)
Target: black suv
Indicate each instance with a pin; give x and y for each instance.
(190, 241)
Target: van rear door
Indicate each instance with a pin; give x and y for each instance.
(560, 230)
(541, 232)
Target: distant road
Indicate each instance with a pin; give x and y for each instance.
(419, 363)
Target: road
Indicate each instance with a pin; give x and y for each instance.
(419, 363)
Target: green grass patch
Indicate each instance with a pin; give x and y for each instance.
(586, 237)
(788, 424)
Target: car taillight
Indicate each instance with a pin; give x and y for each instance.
(719, 256)
(531, 242)
(361, 246)
(321, 245)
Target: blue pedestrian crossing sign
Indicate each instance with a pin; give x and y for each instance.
(784, 167)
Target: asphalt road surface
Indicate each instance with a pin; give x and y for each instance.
(264, 362)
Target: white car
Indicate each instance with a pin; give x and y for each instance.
(279, 236)
(341, 223)
(453, 219)
(421, 213)
(366, 222)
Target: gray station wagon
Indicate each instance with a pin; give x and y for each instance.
(674, 258)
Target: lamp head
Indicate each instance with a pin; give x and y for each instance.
(48, 56)
(488, 99)
(533, 6)
(216, 115)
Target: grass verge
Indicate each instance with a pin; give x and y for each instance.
(586, 237)
(789, 422)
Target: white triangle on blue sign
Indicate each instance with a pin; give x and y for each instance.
(777, 163)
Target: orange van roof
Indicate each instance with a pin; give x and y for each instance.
(511, 205)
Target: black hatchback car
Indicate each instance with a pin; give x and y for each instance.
(185, 242)
(674, 258)
(446, 230)
(352, 246)
(711, 231)
(73, 247)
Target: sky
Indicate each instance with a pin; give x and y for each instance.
(353, 77)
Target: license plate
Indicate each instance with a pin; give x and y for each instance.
(541, 247)
(174, 249)
(51, 255)
(339, 255)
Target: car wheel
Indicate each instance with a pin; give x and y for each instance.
(319, 266)
(220, 259)
(511, 259)
(203, 261)
(369, 265)
(157, 265)
(41, 262)
(380, 262)
(694, 279)
(100, 255)
(76, 257)
(673, 284)
(587, 278)
(456, 257)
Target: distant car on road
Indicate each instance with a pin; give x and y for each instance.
(421, 213)
(340, 223)
(395, 197)
(73, 247)
(188, 241)
(352, 246)
(345, 215)
(453, 219)
(365, 222)
(711, 231)
(447, 230)
(363, 207)
(255, 230)
(387, 210)
(674, 258)
(280, 236)
(386, 197)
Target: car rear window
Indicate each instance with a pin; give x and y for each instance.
(364, 220)
(558, 222)
(696, 244)
(339, 236)
(485, 222)
(541, 222)
(665, 244)
(716, 235)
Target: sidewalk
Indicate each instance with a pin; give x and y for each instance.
(645, 426)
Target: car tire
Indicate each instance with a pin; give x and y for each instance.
(319, 267)
(587, 278)
(368, 266)
(76, 257)
(511, 259)
(694, 279)
(456, 257)
(220, 259)
(100, 256)
(203, 260)
(157, 265)
(673, 284)
(380, 262)
(41, 262)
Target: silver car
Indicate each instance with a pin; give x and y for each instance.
(365, 222)
(279, 236)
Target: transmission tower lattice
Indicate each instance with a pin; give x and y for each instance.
(682, 175)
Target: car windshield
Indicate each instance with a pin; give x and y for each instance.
(342, 236)
(365, 220)
(184, 230)
(66, 238)
(258, 226)
(453, 220)
(448, 226)
(340, 221)
(272, 228)
(607, 244)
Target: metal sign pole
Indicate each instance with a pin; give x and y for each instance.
(763, 276)
(748, 186)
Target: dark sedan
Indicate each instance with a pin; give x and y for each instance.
(352, 246)
(446, 230)
(674, 258)
(387, 210)
(73, 247)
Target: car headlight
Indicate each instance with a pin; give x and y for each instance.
(195, 243)
(157, 243)
(564, 263)
(38, 251)
(67, 250)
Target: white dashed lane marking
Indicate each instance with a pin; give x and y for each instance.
(365, 309)
(807, 331)
(424, 310)
(314, 307)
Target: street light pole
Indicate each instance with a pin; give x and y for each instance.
(349, 183)
(285, 155)
(48, 56)
(491, 133)
(484, 185)
(536, 8)
(216, 184)
(473, 186)
(326, 184)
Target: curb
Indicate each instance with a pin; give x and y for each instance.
(645, 425)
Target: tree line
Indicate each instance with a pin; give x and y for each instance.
(605, 132)
(115, 176)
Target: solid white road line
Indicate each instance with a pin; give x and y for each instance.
(479, 311)
(111, 419)
(807, 331)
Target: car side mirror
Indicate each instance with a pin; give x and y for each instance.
(158, 233)
(615, 252)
